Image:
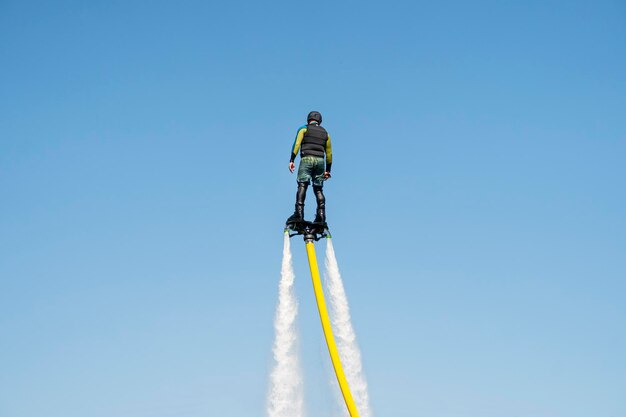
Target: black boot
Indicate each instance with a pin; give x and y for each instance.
(298, 214)
(320, 216)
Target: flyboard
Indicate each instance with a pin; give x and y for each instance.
(312, 232)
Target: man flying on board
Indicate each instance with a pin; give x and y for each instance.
(313, 142)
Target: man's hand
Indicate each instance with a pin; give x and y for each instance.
(292, 166)
(326, 175)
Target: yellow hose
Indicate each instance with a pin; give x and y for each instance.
(328, 331)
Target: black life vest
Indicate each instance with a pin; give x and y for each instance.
(314, 141)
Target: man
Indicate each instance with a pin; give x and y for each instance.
(313, 142)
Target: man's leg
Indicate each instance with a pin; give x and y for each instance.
(320, 216)
(318, 183)
(304, 179)
(298, 214)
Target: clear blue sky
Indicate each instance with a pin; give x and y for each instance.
(477, 203)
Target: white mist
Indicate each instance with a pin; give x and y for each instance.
(344, 334)
(285, 397)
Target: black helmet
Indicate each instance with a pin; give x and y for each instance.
(314, 115)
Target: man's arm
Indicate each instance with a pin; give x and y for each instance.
(297, 143)
(329, 157)
(295, 147)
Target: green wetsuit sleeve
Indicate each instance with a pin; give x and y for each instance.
(297, 143)
(329, 154)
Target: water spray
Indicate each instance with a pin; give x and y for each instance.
(346, 337)
(285, 398)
